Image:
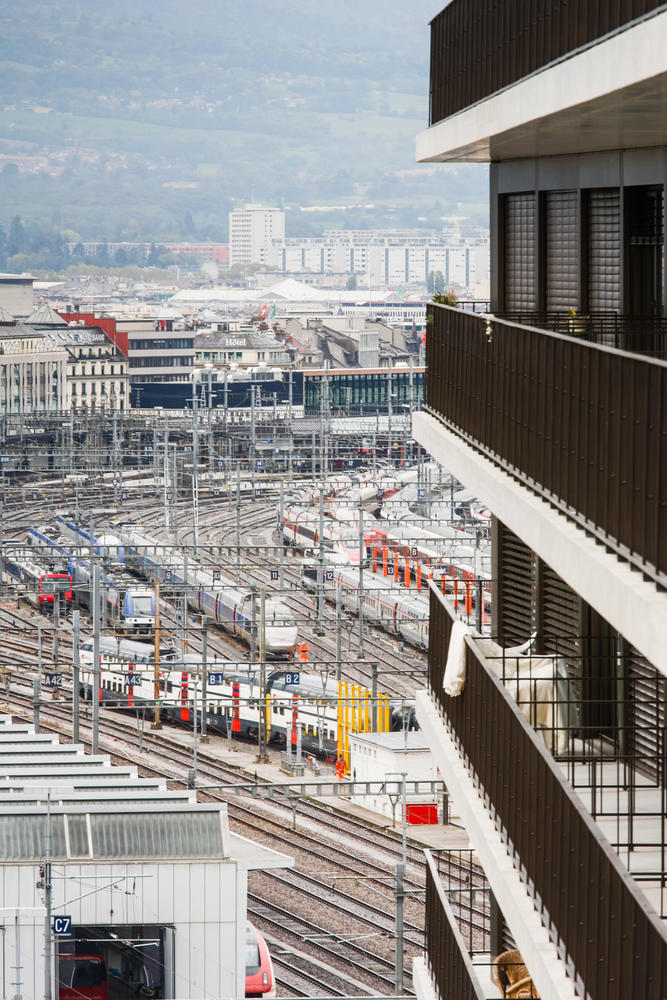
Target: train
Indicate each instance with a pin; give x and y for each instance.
(402, 615)
(260, 980)
(127, 604)
(227, 604)
(43, 583)
(233, 697)
(301, 528)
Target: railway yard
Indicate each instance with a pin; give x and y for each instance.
(330, 922)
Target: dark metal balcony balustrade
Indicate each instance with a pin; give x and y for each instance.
(456, 927)
(479, 47)
(613, 945)
(581, 424)
(645, 335)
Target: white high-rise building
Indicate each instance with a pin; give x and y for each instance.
(251, 230)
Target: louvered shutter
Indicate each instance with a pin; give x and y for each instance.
(516, 577)
(520, 252)
(604, 248)
(645, 716)
(562, 253)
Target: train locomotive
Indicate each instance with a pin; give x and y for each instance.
(127, 603)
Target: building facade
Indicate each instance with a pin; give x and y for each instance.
(551, 407)
(33, 370)
(251, 232)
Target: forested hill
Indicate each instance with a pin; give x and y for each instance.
(152, 118)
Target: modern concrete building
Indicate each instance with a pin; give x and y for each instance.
(552, 407)
(251, 230)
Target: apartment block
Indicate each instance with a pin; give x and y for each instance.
(251, 232)
(548, 723)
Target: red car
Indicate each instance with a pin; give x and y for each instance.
(82, 976)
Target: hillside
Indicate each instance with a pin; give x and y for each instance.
(150, 120)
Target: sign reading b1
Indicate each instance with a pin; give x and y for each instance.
(62, 925)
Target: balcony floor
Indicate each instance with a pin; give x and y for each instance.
(637, 830)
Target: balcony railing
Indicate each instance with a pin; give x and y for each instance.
(638, 334)
(448, 959)
(480, 46)
(613, 946)
(583, 425)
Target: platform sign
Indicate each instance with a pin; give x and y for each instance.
(188, 448)
(294, 678)
(380, 494)
(219, 463)
(53, 680)
(215, 678)
(5, 458)
(216, 493)
(350, 463)
(123, 497)
(258, 493)
(132, 680)
(421, 494)
(413, 552)
(274, 574)
(328, 575)
(216, 574)
(169, 497)
(62, 925)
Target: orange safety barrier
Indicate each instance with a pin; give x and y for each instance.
(185, 711)
(407, 574)
(295, 713)
(236, 712)
(443, 583)
(375, 559)
(384, 560)
(468, 597)
(395, 567)
(456, 594)
(419, 577)
(130, 687)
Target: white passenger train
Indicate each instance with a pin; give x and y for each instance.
(226, 603)
(127, 680)
(301, 527)
(401, 614)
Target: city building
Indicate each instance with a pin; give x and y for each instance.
(243, 348)
(97, 376)
(33, 370)
(387, 258)
(552, 408)
(251, 232)
(159, 348)
(16, 294)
